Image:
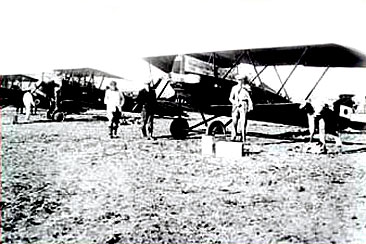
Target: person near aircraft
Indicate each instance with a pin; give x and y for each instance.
(114, 100)
(241, 105)
(147, 99)
(56, 86)
(18, 96)
(322, 117)
(28, 101)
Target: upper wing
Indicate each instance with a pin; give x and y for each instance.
(87, 72)
(322, 55)
(165, 63)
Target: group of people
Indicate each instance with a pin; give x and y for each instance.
(114, 100)
(320, 116)
(326, 120)
(48, 90)
(240, 98)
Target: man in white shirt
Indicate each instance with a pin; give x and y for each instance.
(28, 101)
(242, 104)
(114, 101)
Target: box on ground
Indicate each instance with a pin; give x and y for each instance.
(208, 145)
(228, 149)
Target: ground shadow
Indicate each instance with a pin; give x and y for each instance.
(352, 151)
(293, 137)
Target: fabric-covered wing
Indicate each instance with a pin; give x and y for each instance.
(87, 72)
(322, 55)
(165, 63)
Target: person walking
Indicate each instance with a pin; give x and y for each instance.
(114, 100)
(147, 99)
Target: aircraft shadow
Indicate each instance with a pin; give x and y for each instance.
(194, 134)
(352, 151)
(290, 137)
(39, 121)
(283, 138)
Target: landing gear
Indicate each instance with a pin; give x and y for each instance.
(179, 128)
(216, 128)
(49, 114)
(58, 116)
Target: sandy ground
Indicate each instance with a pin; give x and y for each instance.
(70, 183)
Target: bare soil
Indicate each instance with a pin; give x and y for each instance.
(70, 183)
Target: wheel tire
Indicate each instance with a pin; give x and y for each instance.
(179, 128)
(216, 128)
(58, 116)
(37, 102)
(49, 115)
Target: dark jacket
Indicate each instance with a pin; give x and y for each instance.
(147, 99)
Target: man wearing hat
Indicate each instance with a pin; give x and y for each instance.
(147, 99)
(242, 104)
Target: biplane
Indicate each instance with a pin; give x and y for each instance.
(12, 89)
(84, 89)
(203, 81)
(81, 89)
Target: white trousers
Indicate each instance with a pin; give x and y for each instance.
(28, 103)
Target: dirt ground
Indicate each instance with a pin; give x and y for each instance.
(70, 183)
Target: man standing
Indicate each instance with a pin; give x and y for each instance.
(57, 83)
(28, 101)
(242, 104)
(147, 99)
(114, 101)
(18, 95)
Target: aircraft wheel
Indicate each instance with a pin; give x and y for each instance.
(216, 128)
(179, 128)
(49, 115)
(37, 102)
(58, 116)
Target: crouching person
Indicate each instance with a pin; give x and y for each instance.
(147, 100)
(114, 101)
(323, 119)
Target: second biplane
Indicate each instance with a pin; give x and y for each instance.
(203, 81)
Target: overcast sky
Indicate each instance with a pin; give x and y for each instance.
(113, 35)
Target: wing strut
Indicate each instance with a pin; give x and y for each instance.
(237, 61)
(260, 72)
(279, 78)
(101, 83)
(150, 70)
(214, 65)
(255, 69)
(258, 75)
(316, 84)
(162, 90)
(292, 71)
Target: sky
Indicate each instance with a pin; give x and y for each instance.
(113, 35)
